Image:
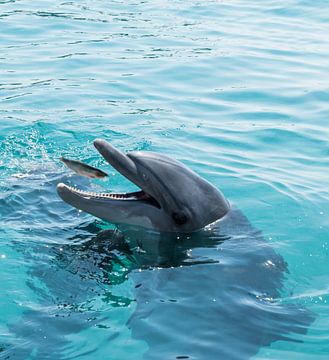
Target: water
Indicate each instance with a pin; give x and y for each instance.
(238, 91)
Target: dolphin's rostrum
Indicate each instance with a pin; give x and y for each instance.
(172, 196)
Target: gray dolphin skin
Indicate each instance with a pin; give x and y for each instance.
(172, 198)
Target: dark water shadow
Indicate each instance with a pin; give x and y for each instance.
(214, 294)
(69, 282)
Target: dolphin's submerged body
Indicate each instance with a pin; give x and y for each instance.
(208, 285)
(213, 294)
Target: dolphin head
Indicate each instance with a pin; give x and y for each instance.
(172, 197)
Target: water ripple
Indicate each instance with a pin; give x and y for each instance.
(237, 90)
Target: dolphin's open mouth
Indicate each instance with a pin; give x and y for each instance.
(124, 165)
(137, 195)
(132, 196)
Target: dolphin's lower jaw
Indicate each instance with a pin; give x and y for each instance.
(172, 197)
(131, 208)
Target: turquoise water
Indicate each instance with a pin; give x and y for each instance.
(238, 91)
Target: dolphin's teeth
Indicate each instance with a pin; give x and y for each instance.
(126, 196)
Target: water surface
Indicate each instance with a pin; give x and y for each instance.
(238, 91)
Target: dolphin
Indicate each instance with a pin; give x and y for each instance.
(173, 198)
(207, 284)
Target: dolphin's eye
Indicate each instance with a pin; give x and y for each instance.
(179, 217)
(145, 177)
